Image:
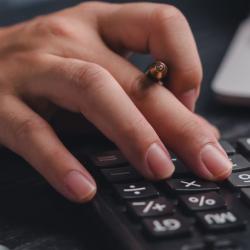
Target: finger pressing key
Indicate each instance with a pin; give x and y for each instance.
(90, 89)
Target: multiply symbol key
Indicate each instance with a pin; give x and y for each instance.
(190, 184)
(201, 201)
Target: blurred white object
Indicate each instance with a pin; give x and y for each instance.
(232, 80)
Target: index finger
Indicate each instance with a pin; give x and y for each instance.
(163, 31)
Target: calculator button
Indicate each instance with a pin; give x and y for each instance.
(246, 194)
(136, 190)
(108, 159)
(180, 168)
(225, 244)
(229, 149)
(187, 185)
(203, 201)
(195, 246)
(239, 162)
(240, 179)
(167, 226)
(244, 145)
(151, 207)
(121, 174)
(220, 220)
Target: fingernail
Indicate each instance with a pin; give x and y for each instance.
(159, 162)
(216, 162)
(79, 186)
(189, 99)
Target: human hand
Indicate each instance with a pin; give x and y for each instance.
(74, 59)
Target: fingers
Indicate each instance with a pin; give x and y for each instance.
(184, 133)
(89, 89)
(181, 130)
(27, 134)
(164, 32)
(209, 126)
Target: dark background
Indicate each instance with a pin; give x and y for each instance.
(32, 216)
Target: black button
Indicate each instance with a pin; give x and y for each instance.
(229, 149)
(246, 194)
(240, 179)
(239, 162)
(244, 145)
(108, 159)
(225, 245)
(151, 207)
(136, 190)
(187, 185)
(203, 201)
(121, 174)
(194, 246)
(180, 168)
(220, 220)
(167, 226)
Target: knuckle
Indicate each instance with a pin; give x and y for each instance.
(92, 6)
(53, 25)
(88, 78)
(165, 14)
(192, 130)
(28, 127)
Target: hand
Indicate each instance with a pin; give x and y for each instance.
(73, 59)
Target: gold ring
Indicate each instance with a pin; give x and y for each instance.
(157, 71)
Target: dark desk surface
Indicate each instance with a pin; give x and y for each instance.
(35, 217)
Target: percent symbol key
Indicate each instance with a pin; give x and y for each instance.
(202, 201)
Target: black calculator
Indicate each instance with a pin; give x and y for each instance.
(180, 213)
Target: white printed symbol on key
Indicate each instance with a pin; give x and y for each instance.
(220, 218)
(190, 184)
(245, 177)
(234, 165)
(134, 189)
(151, 205)
(166, 225)
(201, 201)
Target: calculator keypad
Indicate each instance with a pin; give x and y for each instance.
(183, 203)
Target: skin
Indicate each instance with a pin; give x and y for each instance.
(75, 59)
